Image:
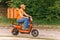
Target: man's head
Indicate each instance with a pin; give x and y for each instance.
(22, 6)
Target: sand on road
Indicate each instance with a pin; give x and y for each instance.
(43, 33)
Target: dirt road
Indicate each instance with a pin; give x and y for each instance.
(43, 34)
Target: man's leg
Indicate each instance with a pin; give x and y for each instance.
(20, 20)
(26, 23)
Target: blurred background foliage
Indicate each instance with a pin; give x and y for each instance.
(42, 11)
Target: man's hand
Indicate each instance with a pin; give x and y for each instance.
(31, 18)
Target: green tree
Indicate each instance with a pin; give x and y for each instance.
(0, 0)
(48, 10)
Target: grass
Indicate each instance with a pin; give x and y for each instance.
(46, 22)
(5, 21)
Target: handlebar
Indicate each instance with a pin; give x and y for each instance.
(30, 19)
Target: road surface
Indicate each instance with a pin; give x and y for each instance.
(5, 34)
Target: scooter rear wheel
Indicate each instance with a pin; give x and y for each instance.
(15, 32)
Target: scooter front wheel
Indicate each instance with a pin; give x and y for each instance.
(34, 33)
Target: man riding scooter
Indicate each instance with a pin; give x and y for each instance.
(23, 17)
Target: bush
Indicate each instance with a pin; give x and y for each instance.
(47, 10)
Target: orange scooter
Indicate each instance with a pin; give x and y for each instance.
(18, 28)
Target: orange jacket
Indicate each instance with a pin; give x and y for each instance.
(20, 14)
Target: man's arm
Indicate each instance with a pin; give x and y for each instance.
(28, 15)
(20, 13)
